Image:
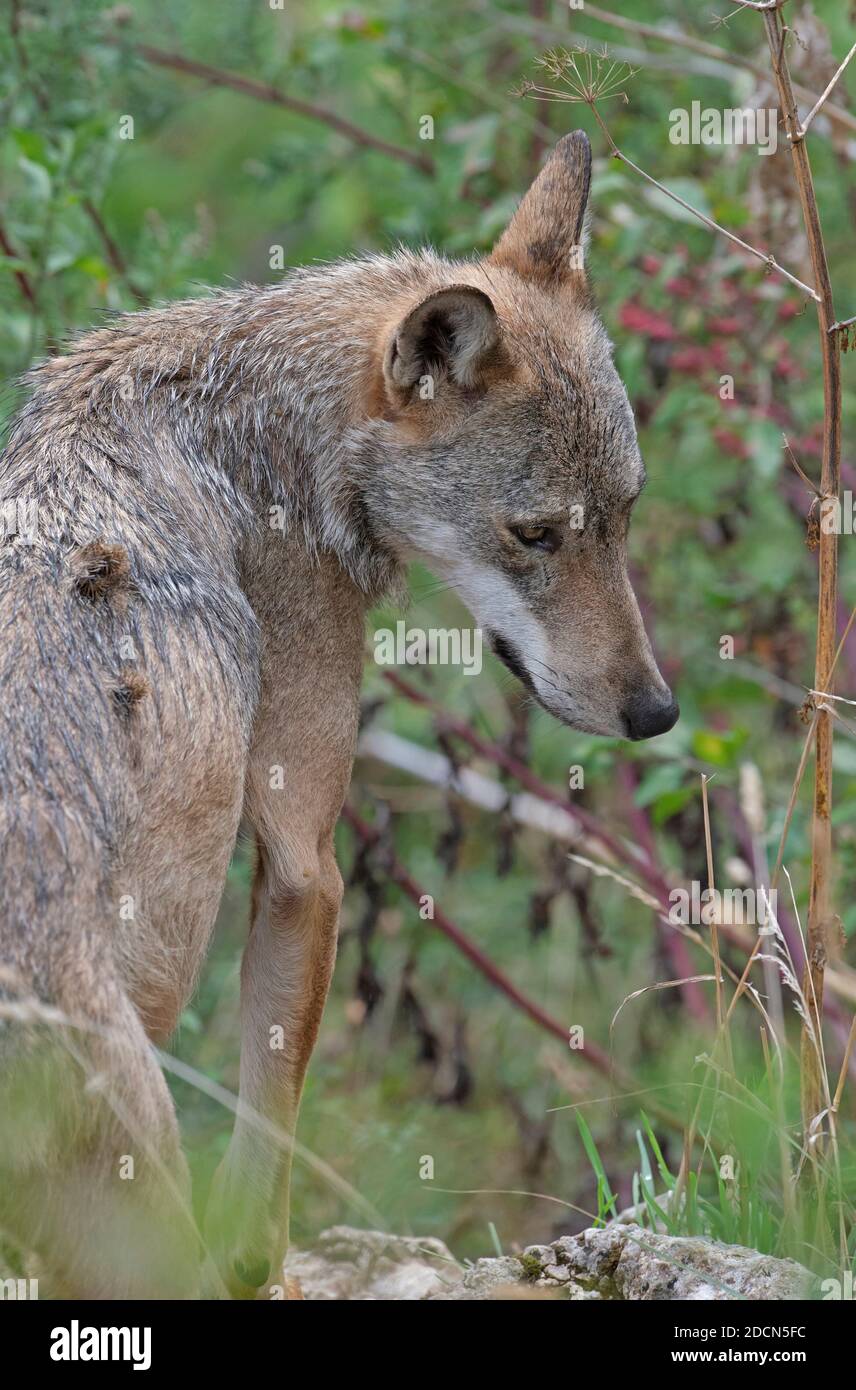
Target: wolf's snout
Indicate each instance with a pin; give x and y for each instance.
(650, 712)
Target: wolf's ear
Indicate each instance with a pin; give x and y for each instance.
(544, 239)
(452, 334)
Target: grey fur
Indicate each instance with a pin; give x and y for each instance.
(162, 645)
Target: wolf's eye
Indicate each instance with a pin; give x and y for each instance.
(537, 537)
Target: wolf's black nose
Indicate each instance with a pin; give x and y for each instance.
(649, 713)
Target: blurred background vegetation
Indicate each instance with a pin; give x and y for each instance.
(419, 1054)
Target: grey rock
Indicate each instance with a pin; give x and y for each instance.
(485, 1279)
(369, 1265)
(620, 1261)
(627, 1262)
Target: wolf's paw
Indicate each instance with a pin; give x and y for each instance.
(243, 1239)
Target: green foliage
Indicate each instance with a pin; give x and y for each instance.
(210, 182)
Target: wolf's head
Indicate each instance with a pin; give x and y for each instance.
(509, 462)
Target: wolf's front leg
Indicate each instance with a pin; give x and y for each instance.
(311, 619)
(285, 975)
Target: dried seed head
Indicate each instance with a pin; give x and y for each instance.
(98, 568)
(587, 75)
(131, 688)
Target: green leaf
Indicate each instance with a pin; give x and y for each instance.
(663, 777)
(606, 1197)
(33, 146)
(765, 440)
(91, 265)
(38, 176)
(670, 804)
(645, 1161)
(665, 1174)
(721, 749)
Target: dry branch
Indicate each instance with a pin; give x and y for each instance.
(582, 80)
(593, 1054)
(824, 95)
(262, 91)
(112, 251)
(841, 980)
(24, 283)
(769, 261)
(486, 793)
(821, 920)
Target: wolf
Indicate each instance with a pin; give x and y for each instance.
(216, 493)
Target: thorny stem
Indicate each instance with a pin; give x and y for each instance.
(820, 919)
(820, 913)
(842, 324)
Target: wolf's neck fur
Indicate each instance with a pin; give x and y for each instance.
(254, 394)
